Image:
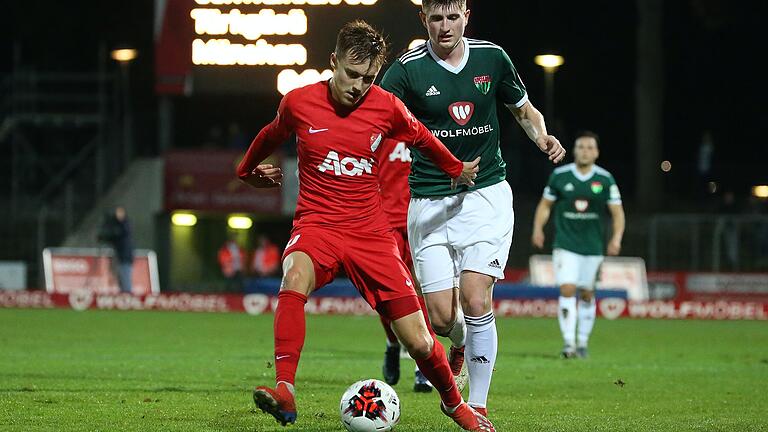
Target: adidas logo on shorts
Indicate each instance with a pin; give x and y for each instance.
(433, 91)
(495, 264)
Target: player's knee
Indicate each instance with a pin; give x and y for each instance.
(441, 324)
(476, 305)
(587, 295)
(420, 347)
(296, 279)
(567, 290)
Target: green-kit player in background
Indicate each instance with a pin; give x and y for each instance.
(582, 195)
(460, 239)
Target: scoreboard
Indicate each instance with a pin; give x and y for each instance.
(266, 47)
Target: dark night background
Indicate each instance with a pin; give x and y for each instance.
(711, 62)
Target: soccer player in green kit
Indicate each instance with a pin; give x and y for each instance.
(460, 239)
(579, 193)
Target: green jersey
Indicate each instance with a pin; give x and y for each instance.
(580, 210)
(458, 104)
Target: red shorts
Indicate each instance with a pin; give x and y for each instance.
(404, 248)
(371, 260)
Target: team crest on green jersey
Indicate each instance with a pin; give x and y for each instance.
(483, 83)
(597, 187)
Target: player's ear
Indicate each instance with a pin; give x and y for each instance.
(466, 16)
(334, 61)
(423, 18)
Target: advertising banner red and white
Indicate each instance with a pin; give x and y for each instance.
(256, 304)
(206, 180)
(91, 269)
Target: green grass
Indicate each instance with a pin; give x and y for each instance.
(147, 371)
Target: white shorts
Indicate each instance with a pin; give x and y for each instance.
(574, 269)
(467, 231)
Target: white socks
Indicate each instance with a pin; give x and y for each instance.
(458, 333)
(587, 311)
(480, 356)
(566, 315)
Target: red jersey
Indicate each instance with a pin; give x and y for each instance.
(394, 167)
(338, 148)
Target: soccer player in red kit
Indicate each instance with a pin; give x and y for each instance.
(339, 222)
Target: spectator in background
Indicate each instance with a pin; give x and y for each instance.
(266, 258)
(116, 231)
(729, 208)
(231, 257)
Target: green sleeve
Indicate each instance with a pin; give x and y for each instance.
(614, 196)
(395, 80)
(511, 88)
(550, 191)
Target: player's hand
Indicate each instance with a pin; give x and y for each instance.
(614, 247)
(468, 175)
(537, 239)
(552, 147)
(264, 176)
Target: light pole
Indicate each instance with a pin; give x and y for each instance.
(550, 63)
(124, 57)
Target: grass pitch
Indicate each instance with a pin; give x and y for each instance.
(154, 371)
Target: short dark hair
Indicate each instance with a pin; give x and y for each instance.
(358, 42)
(587, 134)
(428, 4)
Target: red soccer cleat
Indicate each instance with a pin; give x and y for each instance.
(469, 419)
(458, 368)
(482, 410)
(277, 402)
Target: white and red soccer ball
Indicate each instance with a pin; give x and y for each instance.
(369, 406)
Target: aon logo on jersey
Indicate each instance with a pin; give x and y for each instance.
(347, 166)
(401, 153)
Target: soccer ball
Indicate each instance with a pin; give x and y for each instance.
(369, 406)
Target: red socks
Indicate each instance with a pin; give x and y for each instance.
(438, 372)
(290, 331)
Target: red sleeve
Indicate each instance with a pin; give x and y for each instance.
(268, 139)
(406, 128)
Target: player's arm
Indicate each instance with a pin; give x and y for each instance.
(543, 210)
(512, 92)
(619, 222)
(251, 170)
(532, 122)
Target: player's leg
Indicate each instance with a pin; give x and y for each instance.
(587, 310)
(435, 268)
(391, 367)
(301, 275)
(566, 265)
(482, 339)
(430, 356)
(384, 281)
(481, 233)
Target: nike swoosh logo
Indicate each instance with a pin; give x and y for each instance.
(314, 131)
(282, 357)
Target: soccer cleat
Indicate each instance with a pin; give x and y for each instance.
(568, 352)
(458, 367)
(391, 368)
(482, 410)
(469, 419)
(581, 352)
(277, 402)
(421, 384)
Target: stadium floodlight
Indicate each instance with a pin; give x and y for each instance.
(760, 191)
(666, 166)
(240, 222)
(550, 63)
(184, 219)
(124, 55)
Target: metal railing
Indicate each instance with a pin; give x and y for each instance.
(708, 242)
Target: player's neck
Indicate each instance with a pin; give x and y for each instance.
(584, 169)
(452, 56)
